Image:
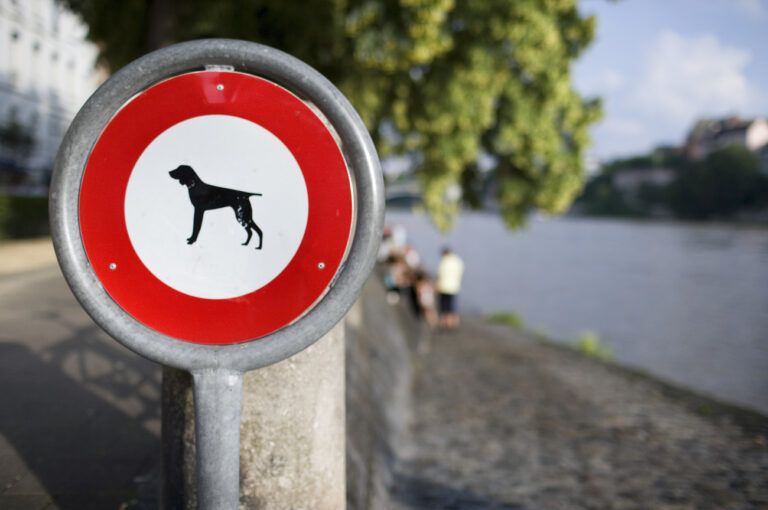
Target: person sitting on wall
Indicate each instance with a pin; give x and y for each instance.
(425, 293)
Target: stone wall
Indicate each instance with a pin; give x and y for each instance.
(379, 341)
(292, 444)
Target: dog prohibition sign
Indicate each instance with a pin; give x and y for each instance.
(205, 115)
(242, 147)
(204, 197)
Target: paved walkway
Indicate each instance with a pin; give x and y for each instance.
(503, 421)
(79, 414)
(26, 255)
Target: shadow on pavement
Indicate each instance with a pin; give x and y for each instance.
(111, 371)
(79, 415)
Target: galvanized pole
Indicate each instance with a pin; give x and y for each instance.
(218, 405)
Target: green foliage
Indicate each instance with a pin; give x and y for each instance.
(727, 181)
(22, 217)
(724, 183)
(660, 157)
(509, 318)
(644, 161)
(600, 198)
(540, 335)
(589, 343)
(649, 195)
(446, 80)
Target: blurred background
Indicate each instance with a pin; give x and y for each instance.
(600, 166)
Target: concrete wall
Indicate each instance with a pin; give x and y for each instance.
(292, 431)
(379, 341)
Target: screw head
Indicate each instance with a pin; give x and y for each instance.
(113, 266)
(321, 265)
(219, 87)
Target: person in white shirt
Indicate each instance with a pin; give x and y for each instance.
(449, 274)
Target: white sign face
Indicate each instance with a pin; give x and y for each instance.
(204, 187)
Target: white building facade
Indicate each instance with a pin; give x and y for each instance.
(711, 134)
(47, 71)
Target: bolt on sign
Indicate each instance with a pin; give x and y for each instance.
(216, 206)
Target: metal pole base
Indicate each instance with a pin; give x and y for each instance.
(218, 405)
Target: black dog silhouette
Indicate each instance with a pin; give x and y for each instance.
(204, 197)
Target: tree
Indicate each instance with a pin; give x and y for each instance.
(442, 81)
(727, 181)
(601, 198)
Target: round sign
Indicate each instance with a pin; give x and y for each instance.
(202, 211)
(215, 207)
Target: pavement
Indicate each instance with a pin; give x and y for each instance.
(80, 414)
(501, 420)
(25, 255)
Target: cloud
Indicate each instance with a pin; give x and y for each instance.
(654, 96)
(756, 8)
(686, 78)
(606, 81)
(625, 127)
(617, 135)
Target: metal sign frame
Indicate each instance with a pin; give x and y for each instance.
(275, 66)
(217, 370)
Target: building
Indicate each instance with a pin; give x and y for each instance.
(630, 180)
(47, 71)
(708, 135)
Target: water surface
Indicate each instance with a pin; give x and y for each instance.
(687, 302)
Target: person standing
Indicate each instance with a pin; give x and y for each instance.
(449, 273)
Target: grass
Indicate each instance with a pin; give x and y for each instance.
(590, 345)
(23, 217)
(508, 318)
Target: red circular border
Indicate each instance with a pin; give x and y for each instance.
(102, 204)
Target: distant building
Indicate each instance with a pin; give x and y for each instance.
(708, 135)
(640, 187)
(47, 71)
(629, 180)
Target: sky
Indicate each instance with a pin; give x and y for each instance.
(660, 65)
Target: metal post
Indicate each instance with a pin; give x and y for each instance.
(218, 403)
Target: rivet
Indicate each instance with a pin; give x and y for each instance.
(219, 87)
(321, 265)
(113, 266)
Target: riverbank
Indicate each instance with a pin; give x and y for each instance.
(685, 303)
(489, 417)
(501, 420)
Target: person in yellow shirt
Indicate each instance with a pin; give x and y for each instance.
(449, 273)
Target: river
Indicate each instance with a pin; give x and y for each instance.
(686, 302)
